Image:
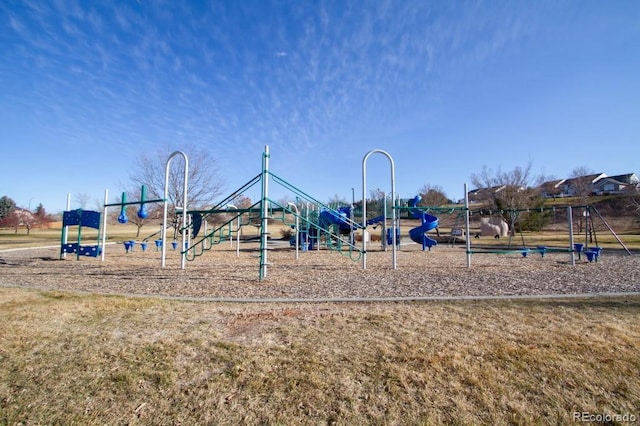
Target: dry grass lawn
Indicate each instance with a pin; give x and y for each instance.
(68, 358)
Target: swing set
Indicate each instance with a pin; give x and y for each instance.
(542, 215)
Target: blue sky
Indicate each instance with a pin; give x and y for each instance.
(444, 87)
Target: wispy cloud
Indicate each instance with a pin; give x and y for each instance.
(293, 75)
(344, 62)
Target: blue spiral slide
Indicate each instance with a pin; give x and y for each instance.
(429, 222)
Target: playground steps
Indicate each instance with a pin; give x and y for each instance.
(213, 238)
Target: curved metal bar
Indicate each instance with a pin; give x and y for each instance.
(184, 207)
(364, 207)
(297, 213)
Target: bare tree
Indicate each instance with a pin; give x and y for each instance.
(285, 199)
(633, 200)
(376, 194)
(581, 181)
(509, 191)
(17, 218)
(82, 199)
(433, 195)
(337, 199)
(242, 201)
(550, 186)
(204, 184)
(513, 189)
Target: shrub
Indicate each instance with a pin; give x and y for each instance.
(287, 233)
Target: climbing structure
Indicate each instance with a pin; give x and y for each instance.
(319, 221)
(80, 218)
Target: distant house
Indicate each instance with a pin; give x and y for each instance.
(616, 184)
(629, 178)
(551, 189)
(483, 194)
(595, 184)
(580, 185)
(493, 193)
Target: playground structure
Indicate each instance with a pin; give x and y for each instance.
(315, 224)
(429, 222)
(80, 218)
(92, 219)
(496, 225)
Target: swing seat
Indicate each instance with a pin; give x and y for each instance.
(542, 250)
(593, 254)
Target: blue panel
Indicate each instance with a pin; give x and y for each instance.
(196, 220)
(71, 218)
(91, 219)
(88, 218)
(92, 251)
(69, 248)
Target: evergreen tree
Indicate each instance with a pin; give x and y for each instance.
(7, 206)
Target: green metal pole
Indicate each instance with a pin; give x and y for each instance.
(79, 234)
(264, 209)
(63, 240)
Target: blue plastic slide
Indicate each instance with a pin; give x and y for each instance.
(375, 221)
(340, 218)
(429, 222)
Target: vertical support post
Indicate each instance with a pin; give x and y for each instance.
(183, 253)
(294, 207)
(264, 210)
(65, 230)
(364, 207)
(307, 227)
(397, 204)
(104, 225)
(586, 227)
(232, 206)
(238, 237)
(466, 224)
(383, 240)
(79, 234)
(572, 256)
(318, 234)
(352, 237)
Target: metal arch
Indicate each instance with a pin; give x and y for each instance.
(184, 208)
(364, 206)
